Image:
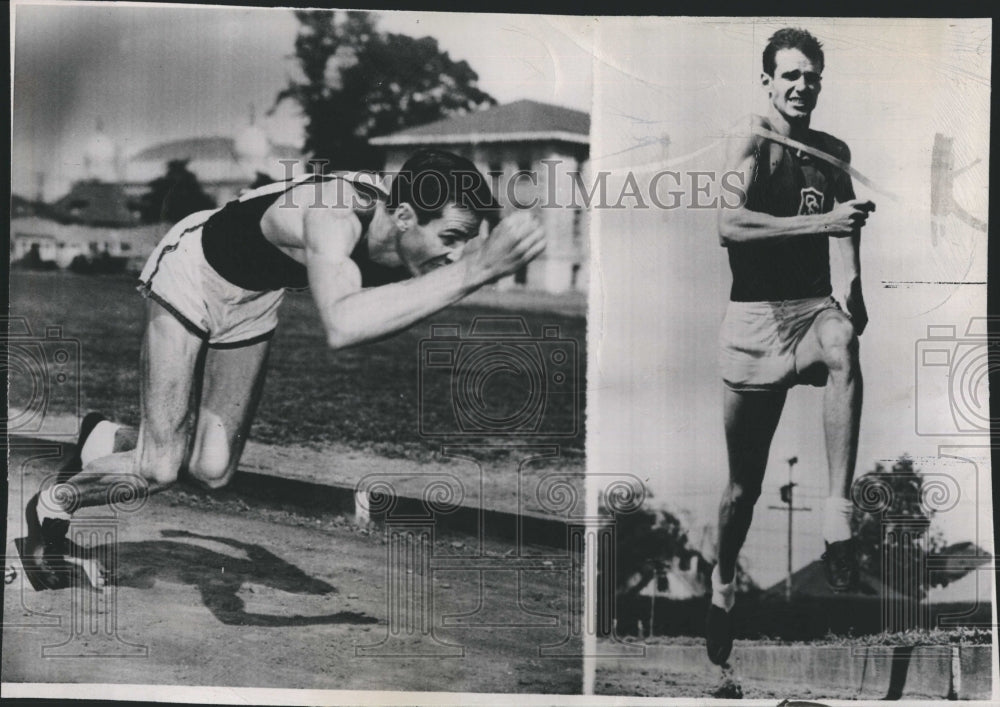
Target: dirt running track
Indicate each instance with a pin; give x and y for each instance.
(648, 682)
(212, 590)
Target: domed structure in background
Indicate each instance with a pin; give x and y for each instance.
(252, 143)
(101, 156)
(94, 227)
(225, 166)
(99, 219)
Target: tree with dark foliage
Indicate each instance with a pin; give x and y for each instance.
(260, 180)
(359, 83)
(174, 195)
(646, 540)
(891, 521)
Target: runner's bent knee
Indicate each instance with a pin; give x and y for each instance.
(214, 470)
(838, 342)
(158, 462)
(164, 435)
(212, 459)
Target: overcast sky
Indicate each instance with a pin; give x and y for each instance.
(151, 74)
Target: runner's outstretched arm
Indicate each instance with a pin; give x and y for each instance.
(352, 316)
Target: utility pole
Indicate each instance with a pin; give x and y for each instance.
(787, 497)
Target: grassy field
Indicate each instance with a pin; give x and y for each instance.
(366, 398)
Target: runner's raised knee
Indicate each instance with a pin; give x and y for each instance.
(838, 342)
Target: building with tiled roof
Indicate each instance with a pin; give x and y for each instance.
(94, 203)
(100, 215)
(521, 121)
(225, 166)
(534, 152)
(93, 219)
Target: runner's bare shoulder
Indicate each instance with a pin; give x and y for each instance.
(335, 195)
(326, 205)
(744, 140)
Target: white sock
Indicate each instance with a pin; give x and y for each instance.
(723, 595)
(837, 519)
(48, 506)
(100, 442)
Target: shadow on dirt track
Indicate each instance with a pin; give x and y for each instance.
(219, 576)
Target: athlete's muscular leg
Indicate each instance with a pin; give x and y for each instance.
(832, 343)
(233, 382)
(168, 365)
(751, 419)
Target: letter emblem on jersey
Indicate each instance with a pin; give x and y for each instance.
(812, 201)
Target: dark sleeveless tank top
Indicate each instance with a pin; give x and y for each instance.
(796, 268)
(235, 246)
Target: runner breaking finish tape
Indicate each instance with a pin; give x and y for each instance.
(764, 132)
